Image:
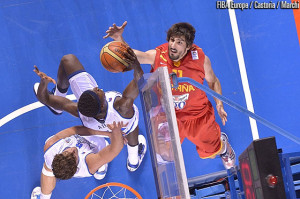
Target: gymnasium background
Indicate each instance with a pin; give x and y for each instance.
(40, 32)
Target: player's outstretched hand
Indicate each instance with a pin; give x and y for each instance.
(222, 113)
(115, 32)
(116, 126)
(43, 75)
(131, 59)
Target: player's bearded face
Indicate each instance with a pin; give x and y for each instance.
(177, 48)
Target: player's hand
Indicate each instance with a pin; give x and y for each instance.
(116, 126)
(222, 113)
(43, 76)
(115, 32)
(131, 59)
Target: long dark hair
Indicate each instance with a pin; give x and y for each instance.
(182, 29)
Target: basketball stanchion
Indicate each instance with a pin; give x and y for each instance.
(163, 137)
(113, 190)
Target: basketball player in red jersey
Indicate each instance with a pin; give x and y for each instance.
(194, 112)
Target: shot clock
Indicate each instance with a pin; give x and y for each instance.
(261, 171)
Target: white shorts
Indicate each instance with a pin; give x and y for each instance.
(81, 82)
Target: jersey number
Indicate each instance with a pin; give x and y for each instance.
(178, 72)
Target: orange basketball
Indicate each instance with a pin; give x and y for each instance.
(112, 56)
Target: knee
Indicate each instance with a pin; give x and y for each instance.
(70, 64)
(68, 59)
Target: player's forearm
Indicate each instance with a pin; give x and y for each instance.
(84, 131)
(47, 184)
(131, 91)
(147, 57)
(216, 86)
(44, 96)
(80, 130)
(116, 139)
(56, 102)
(140, 56)
(69, 132)
(137, 75)
(42, 93)
(138, 72)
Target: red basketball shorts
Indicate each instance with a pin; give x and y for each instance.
(204, 132)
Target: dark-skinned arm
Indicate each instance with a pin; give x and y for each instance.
(132, 90)
(57, 102)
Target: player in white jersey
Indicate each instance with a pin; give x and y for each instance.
(112, 115)
(77, 152)
(95, 108)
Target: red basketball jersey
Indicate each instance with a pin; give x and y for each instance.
(189, 101)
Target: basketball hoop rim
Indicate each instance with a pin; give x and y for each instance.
(117, 184)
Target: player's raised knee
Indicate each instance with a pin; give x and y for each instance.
(69, 58)
(71, 64)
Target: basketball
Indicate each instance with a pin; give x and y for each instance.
(112, 56)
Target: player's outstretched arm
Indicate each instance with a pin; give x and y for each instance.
(132, 91)
(116, 33)
(131, 58)
(57, 102)
(48, 181)
(84, 131)
(106, 155)
(80, 130)
(147, 57)
(214, 84)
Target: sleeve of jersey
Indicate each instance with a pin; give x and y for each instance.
(50, 153)
(156, 61)
(201, 53)
(48, 156)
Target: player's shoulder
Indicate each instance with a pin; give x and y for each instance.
(196, 53)
(162, 47)
(110, 95)
(113, 98)
(195, 47)
(50, 142)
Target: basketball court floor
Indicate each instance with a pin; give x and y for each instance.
(40, 32)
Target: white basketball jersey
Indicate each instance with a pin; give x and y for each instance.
(85, 146)
(112, 115)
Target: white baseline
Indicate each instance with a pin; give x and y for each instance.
(26, 109)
